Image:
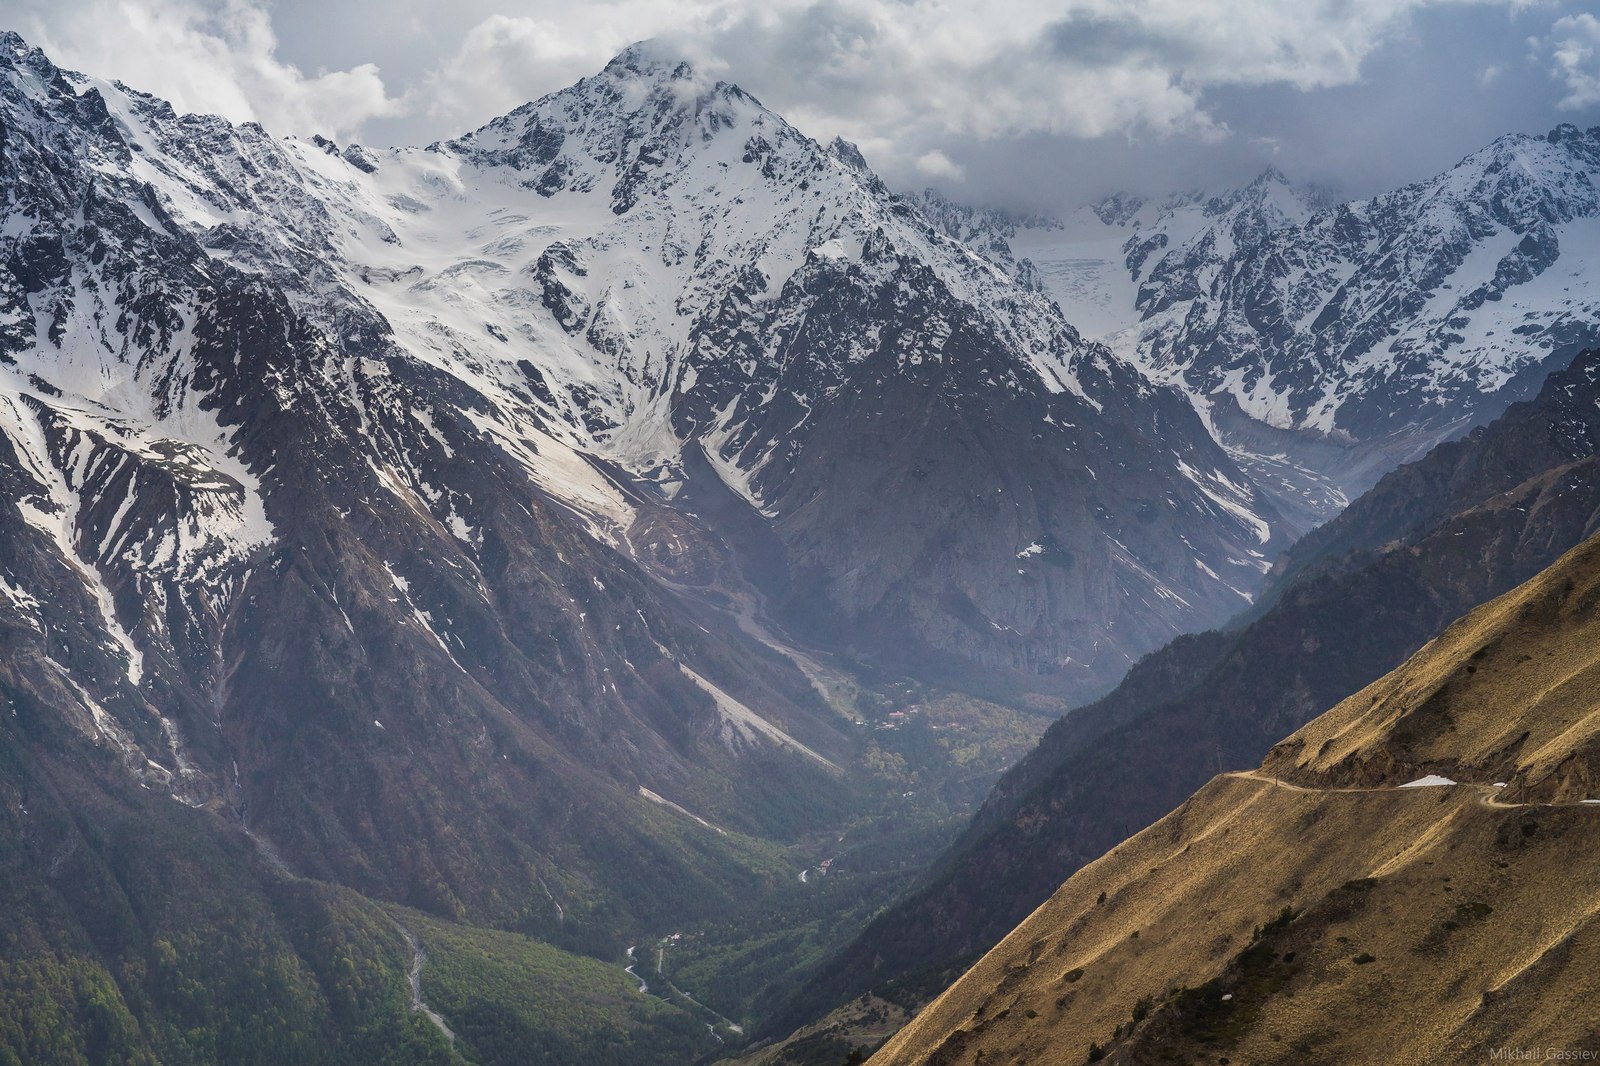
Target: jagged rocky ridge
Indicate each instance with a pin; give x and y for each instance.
(789, 331)
(269, 558)
(1328, 341)
(1399, 317)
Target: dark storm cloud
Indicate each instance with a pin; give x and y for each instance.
(1103, 40)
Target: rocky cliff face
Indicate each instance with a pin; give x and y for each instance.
(821, 342)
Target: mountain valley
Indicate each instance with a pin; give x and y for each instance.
(625, 585)
(1431, 541)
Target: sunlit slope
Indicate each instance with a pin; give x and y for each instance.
(1423, 923)
(1507, 694)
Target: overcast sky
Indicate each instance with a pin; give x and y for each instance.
(1012, 102)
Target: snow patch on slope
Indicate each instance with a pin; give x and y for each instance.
(741, 725)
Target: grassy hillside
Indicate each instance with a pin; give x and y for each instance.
(134, 929)
(1317, 910)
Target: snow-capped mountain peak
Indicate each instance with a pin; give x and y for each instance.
(646, 110)
(1095, 261)
(631, 297)
(1366, 331)
(1441, 292)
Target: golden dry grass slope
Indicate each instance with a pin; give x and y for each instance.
(1316, 911)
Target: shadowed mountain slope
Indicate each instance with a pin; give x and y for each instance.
(1415, 872)
(1431, 541)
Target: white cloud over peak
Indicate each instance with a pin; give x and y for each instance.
(216, 60)
(1575, 59)
(935, 164)
(504, 61)
(912, 73)
(862, 67)
(929, 88)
